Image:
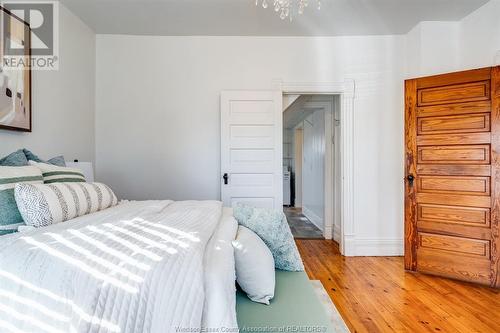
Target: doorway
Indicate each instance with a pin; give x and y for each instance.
(252, 150)
(310, 177)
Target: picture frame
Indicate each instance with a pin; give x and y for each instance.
(15, 73)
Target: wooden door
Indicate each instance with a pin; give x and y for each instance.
(252, 148)
(452, 192)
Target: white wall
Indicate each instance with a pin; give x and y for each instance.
(433, 47)
(64, 100)
(441, 47)
(480, 37)
(313, 168)
(157, 120)
(157, 106)
(157, 116)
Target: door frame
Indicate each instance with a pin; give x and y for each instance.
(346, 90)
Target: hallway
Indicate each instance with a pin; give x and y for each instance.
(300, 225)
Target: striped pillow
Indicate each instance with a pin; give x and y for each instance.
(56, 174)
(10, 218)
(46, 204)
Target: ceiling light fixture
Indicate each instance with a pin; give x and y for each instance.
(287, 8)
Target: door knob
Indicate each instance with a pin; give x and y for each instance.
(410, 179)
(226, 178)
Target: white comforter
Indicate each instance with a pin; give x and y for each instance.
(137, 267)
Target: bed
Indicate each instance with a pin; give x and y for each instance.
(150, 266)
(141, 266)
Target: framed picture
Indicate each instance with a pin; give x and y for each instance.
(15, 73)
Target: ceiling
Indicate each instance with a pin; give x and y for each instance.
(295, 113)
(298, 111)
(243, 18)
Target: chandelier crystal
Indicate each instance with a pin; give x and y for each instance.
(287, 8)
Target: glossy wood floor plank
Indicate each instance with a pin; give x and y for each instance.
(376, 294)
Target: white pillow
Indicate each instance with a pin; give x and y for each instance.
(45, 204)
(254, 266)
(57, 174)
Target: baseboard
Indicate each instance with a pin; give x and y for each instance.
(336, 233)
(356, 247)
(328, 232)
(315, 219)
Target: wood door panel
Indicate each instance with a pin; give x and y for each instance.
(468, 92)
(454, 229)
(453, 170)
(453, 139)
(471, 154)
(452, 192)
(449, 264)
(466, 123)
(452, 199)
(468, 246)
(454, 109)
(454, 185)
(473, 75)
(475, 216)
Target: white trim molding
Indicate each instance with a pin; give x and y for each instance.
(346, 90)
(347, 229)
(374, 247)
(336, 233)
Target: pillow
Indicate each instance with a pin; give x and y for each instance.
(46, 204)
(16, 158)
(271, 225)
(58, 160)
(55, 174)
(254, 266)
(10, 218)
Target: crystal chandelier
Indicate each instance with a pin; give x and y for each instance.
(287, 8)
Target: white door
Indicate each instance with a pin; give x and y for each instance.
(251, 148)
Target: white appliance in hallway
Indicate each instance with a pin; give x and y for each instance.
(287, 187)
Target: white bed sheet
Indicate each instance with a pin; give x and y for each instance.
(136, 267)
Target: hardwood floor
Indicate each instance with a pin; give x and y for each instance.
(376, 294)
